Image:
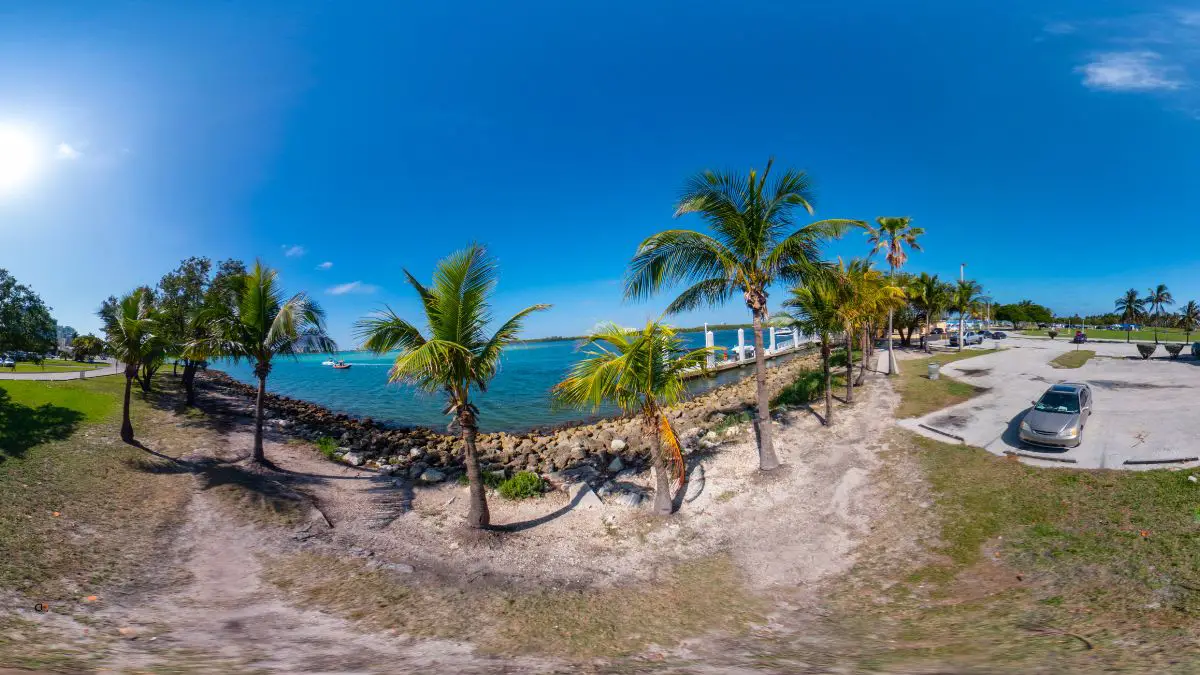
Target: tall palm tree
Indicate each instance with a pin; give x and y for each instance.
(455, 354)
(1132, 308)
(967, 295)
(755, 242)
(1157, 300)
(865, 294)
(1189, 318)
(129, 325)
(258, 326)
(891, 235)
(932, 297)
(641, 372)
(815, 308)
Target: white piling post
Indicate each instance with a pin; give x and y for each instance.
(772, 350)
(741, 344)
(708, 342)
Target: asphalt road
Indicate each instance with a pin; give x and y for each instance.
(1143, 415)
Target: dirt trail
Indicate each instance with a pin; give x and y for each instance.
(788, 531)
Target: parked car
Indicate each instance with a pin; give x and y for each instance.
(987, 334)
(999, 335)
(1080, 337)
(971, 338)
(1057, 418)
(939, 331)
(7, 362)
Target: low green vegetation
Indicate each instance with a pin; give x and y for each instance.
(79, 510)
(523, 485)
(809, 386)
(921, 395)
(1031, 562)
(1072, 359)
(52, 366)
(730, 421)
(1146, 334)
(327, 447)
(491, 479)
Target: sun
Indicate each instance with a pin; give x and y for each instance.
(19, 158)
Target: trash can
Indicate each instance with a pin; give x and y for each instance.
(934, 369)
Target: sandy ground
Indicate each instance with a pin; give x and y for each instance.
(788, 532)
(1138, 416)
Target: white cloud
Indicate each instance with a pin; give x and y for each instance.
(293, 251)
(352, 287)
(325, 265)
(1059, 28)
(66, 151)
(1129, 71)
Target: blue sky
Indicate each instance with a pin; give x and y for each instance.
(1054, 151)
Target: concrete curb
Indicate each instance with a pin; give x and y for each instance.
(1030, 455)
(944, 433)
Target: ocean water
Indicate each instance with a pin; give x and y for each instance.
(517, 399)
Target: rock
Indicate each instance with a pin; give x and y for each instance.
(616, 465)
(361, 552)
(695, 484)
(617, 445)
(631, 499)
(432, 476)
(415, 452)
(353, 458)
(580, 474)
(583, 497)
(711, 436)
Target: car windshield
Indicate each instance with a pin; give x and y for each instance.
(1059, 402)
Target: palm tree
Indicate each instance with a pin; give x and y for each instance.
(815, 308)
(865, 295)
(1189, 318)
(892, 234)
(258, 326)
(129, 325)
(455, 354)
(641, 372)
(932, 297)
(1157, 300)
(1132, 308)
(967, 295)
(755, 241)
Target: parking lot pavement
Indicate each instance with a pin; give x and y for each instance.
(1141, 418)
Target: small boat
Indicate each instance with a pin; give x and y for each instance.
(329, 362)
(341, 365)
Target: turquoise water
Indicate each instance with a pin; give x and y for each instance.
(518, 398)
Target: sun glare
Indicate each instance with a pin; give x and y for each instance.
(19, 158)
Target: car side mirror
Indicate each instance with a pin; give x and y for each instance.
(1033, 402)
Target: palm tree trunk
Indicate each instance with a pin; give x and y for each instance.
(259, 456)
(662, 483)
(126, 425)
(962, 336)
(175, 367)
(826, 350)
(189, 383)
(767, 460)
(862, 366)
(925, 334)
(849, 365)
(889, 355)
(478, 516)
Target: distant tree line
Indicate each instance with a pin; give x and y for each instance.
(25, 321)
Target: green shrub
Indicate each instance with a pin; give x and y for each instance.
(1173, 349)
(808, 386)
(1052, 333)
(522, 486)
(1146, 350)
(327, 446)
(731, 421)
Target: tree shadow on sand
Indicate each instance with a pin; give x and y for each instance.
(22, 427)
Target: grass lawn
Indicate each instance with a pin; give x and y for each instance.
(1164, 334)
(921, 395)
(1072, 359)
(1028, 566)
(79, 511)
(53, 367)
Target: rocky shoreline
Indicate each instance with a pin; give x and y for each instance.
(605, 446)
